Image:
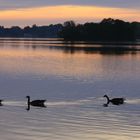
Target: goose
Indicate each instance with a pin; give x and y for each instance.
(115, 101)
(1, 102)
(38, 103)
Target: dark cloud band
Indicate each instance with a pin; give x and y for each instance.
(14, 4)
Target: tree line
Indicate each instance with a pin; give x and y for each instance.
(34, 31)
(106, 30)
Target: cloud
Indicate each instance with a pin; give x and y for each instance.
(59, 14)
(28, 12)
(14, 4)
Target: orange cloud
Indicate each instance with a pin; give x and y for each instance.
(70, 12)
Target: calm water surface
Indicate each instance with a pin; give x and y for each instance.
(73, 81)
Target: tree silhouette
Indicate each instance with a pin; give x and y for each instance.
(107, 30)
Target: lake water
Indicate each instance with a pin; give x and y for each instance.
(73, 81)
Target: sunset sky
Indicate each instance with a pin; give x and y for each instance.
(44, 12)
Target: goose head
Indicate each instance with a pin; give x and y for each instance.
(105, 95)
(27, 96)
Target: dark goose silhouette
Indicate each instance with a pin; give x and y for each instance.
(37, 103)
(1, 102)
(115, 101)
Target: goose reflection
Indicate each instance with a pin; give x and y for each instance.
(114, 101)
(37, 103)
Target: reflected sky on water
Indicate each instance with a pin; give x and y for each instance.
(73, 81)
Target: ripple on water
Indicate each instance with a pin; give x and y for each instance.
(80, 119)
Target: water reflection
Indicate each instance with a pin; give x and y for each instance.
(40, 106)
(49, 57)
(103, 50)
(73, 84)
(73, 46)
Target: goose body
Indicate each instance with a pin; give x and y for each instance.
(1, 102)
(38, 103)
(115, 101)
